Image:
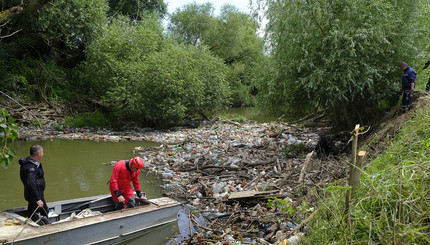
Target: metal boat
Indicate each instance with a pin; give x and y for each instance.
(90, 220)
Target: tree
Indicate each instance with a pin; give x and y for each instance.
(143, 77)
(193, 23)
(36, 61)
(135, 9)
(231, 36)
(338, 55)
(68, 27)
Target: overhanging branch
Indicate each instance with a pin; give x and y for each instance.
(25, 7)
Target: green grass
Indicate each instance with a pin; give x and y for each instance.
(233, 117)
(392, 204)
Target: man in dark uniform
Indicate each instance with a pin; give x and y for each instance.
(32, 177)
(428, 83)
(408, 85)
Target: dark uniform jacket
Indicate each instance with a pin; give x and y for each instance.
(31, 174)
(409, 76)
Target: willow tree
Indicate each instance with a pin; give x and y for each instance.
(231, 36)
(136, 9)
(339, 55)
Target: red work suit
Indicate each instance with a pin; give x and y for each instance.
(120, 180)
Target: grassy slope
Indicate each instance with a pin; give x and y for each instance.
(392, 205)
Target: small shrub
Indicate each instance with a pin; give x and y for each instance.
(87, 119)
(282, 205)
(234, 117)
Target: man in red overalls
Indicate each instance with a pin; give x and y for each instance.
(123, 173)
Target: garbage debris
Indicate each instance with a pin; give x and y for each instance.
(251, 183)
(242, 179)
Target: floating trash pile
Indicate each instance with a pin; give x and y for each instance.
(245, 183)
(52, 131)
(240, 178)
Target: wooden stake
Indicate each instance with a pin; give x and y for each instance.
(305, 165)
(352, 167)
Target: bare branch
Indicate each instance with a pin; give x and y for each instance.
(1, 37)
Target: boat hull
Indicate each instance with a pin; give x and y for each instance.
(106, 228)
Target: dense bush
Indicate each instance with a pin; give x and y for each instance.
(144, 77)
(113, 52)
(34, 80)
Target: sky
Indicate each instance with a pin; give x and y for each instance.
(242, 5)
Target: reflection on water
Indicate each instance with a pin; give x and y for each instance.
(155, 236)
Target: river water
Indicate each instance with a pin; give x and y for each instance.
(77, 168)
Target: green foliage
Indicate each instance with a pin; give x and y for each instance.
(338, 55)
(33, 61)
(38, 81)
(87, 119)
(118, 50)
(8, 133)
(171, 85)
(193, 23)
(144, 77)
(68, 26)
(135, 9)
(235, 117)
(282, 205)
(232, 36)
(391, 205)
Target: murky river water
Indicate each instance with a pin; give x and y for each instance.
(75, 169)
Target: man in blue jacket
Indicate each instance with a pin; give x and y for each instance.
(428, 83)
(32, 176)
(408, 85)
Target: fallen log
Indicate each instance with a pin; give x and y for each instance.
(248, 194)
(210, 166)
